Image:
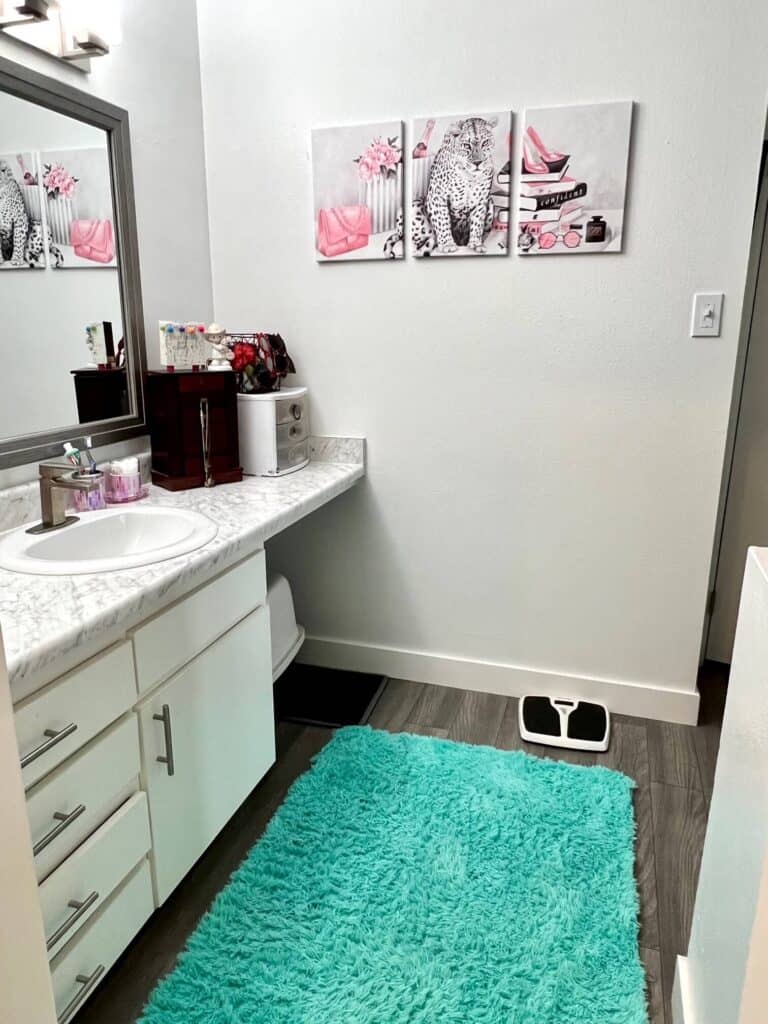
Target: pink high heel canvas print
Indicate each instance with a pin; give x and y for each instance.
(573, 179)
(357, 174)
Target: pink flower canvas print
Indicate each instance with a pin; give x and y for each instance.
(460, 173)
(573, 179)
(76, 184)
(358, 192)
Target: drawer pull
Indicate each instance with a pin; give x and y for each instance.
(53, 737)
(64, 821)
(166, 759)
(296, 411)
(89, 983)
(79, 907)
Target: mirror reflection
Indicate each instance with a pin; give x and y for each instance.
(62, 322)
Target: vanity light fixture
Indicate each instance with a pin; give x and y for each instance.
(71, 30)
(14, 13)
(87, 44)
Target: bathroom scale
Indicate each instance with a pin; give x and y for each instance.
(565, 722)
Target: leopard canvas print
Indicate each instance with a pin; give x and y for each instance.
(21, 232)
(460, 172)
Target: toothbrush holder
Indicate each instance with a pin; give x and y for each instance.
(90, 501)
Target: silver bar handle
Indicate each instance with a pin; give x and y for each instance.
(64, 821)
(79, 907)
(205, 428)
(52, 737)
(166, 759)
(89, 983)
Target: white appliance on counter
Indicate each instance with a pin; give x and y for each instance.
(274, 432)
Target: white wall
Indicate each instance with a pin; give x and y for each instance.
(722, 981)
(545, 440)
(154, 73)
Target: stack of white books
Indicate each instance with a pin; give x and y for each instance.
(546, 201)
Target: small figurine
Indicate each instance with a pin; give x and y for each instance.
(223, 355)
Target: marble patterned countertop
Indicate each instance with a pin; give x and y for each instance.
(51, 623)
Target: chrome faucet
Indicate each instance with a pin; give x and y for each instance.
(56, 478)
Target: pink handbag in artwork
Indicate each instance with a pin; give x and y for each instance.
(342, 229)
(93, 240)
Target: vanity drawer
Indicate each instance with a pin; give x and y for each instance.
(81, 966)
(60, 719)
(291, 410)
(84, 882)
(293, 456)
(291, 433)
(67, 806)
(166, 643)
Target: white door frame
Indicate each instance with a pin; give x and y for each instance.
(759, 229)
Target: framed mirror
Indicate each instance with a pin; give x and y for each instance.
(71, 320)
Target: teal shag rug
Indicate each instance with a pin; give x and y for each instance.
(410, 880)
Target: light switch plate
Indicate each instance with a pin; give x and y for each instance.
(706, 314)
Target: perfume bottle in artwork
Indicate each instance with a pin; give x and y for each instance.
(573, 179)
(461, 185)
(420, 159)
(358, 192)
(420, 149)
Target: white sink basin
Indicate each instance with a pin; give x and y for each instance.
(117, 538)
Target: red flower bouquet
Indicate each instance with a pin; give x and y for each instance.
(261, 362)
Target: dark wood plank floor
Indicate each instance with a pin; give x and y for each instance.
(672, 765)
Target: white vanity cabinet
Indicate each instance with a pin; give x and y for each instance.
(136, 759)
(207, 738)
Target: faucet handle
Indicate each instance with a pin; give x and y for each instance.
(86, 445)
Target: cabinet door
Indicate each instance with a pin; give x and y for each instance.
(215, 734)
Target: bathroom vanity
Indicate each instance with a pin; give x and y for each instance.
(137, 640)
(143, 712)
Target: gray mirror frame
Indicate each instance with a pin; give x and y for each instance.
(49, 92)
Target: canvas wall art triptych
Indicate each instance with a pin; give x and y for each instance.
(58, 210)
(570, 191)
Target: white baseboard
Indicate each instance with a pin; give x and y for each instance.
(643, 701)
(682, 1009)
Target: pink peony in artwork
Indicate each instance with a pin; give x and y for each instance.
(381, 157)
(58, 181)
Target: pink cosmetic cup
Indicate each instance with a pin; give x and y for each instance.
(124, 481)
